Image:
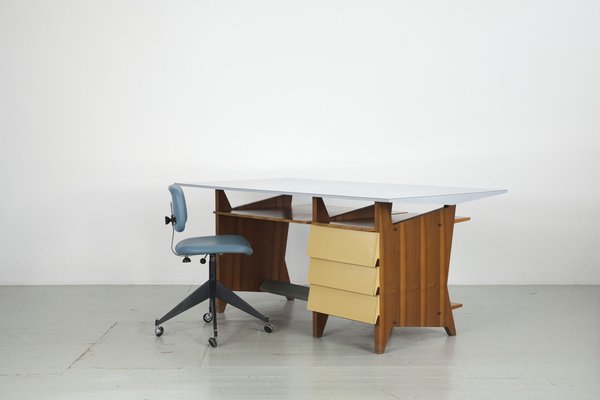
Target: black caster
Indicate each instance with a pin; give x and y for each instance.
(212, 341)
(268, 328)
(158, 331)
(207, 317)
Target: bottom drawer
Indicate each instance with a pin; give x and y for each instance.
(341, 303)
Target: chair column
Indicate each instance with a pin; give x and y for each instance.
(212, 279)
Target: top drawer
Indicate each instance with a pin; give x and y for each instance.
(343, 245)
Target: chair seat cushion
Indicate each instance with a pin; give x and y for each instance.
(221, 244)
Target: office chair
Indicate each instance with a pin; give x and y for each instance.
(212, 289)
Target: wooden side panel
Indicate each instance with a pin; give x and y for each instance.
(408, 239)
(267, 262)
(423, 247)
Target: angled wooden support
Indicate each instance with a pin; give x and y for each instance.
(281, 202)
(221, 202)
(365, 213)
(319, 211)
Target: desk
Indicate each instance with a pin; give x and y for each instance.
(407, 254)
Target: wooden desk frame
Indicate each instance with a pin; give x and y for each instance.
(413, 266)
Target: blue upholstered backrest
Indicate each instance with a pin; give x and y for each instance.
(179, 208)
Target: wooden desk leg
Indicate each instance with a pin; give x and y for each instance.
(449, 317)
(319, 321)
(221, 306)
(382, 335)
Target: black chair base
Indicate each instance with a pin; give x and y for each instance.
(211, 290)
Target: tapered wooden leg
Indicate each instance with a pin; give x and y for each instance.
(382, 336)
(449, 326)
(450, 330)
(221, 306)
(319, 321)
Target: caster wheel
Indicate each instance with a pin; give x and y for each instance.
(207, 317)
(212, 341)
(268, 328)
(158, 331)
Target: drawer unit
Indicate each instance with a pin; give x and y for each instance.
(342, 303)
(343, 245)
(343, 273)
(351, 277)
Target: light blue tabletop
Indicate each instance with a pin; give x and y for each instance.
(383, 192)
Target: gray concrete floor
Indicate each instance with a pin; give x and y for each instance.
(97, 342)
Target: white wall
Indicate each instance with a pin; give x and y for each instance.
(104, 103)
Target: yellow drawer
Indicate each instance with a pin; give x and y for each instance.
(341, 303)
(343, 245)
(350, 277)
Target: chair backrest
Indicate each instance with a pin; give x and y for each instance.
(179, 207)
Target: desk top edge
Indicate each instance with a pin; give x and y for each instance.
(364, 191)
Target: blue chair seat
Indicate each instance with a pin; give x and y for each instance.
(221, 244)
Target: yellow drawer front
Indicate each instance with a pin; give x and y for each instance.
(341, 303)
(343, 245)
(350, 277)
